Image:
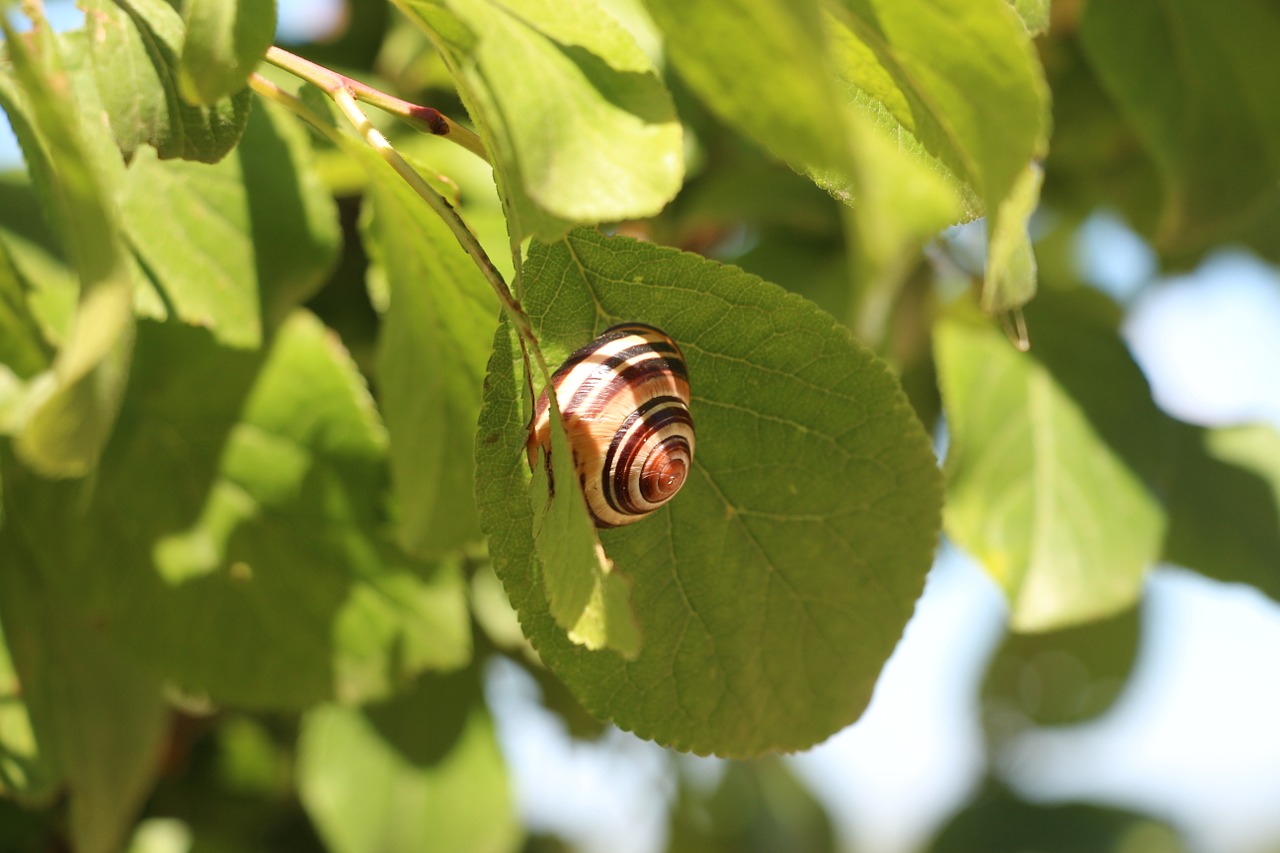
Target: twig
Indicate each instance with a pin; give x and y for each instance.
(345, 100)
(423, 118)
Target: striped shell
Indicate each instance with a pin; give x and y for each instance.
(624, 399)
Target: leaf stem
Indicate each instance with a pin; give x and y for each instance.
(423, 118)
(295, 105)
(345, 100)
(347, 105)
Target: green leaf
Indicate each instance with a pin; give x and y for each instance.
(1049, 457)
(997, 821)
(1096, 159)
(299, 482)
(431, 357)
(962, 78)
(794, 107)
(756, 807)
(25, 773)
(959, 76)
(1060, 677)
(49, 283)
(1227, 482)
(22, 347)
(234, 246)
(1200, 84)
(437, 308)
(241, 504)
(772, 589)
(902, 204)
(586, 596)
(1009, 281)
(98, 717)
(932, 112)
(421, 772)
(136, 47)
(579, 127)
(225, 40)
(1034, 14)
(73, 406)
(759, 65)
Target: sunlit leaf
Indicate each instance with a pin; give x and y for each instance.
(1010, 278)
(909, 107)
(760, 66)
(1048, 463)
(73, 406)
(245, 497)
(1034, 13)
(431, 355)
(97, 715)
(223, 43)
(234, 246)
(136, 47)
(579, 127)
(587, 597)
(421, 772)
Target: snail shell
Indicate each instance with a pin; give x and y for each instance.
(624, 399)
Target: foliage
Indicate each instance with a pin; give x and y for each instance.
(266, 379)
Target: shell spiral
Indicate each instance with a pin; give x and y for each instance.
(624, 399)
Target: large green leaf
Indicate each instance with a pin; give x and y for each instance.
(225, 40)
(772, 589)
(578, 125)
(1051, 460)
(136, 46)
(431, 356)
(234, 246)
(72, 407)
(421, 772)
(437, 309)
(1200, 84)
(235, 532)
(98, 717)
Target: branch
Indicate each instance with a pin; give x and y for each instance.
(422, 118)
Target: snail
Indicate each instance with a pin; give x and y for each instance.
(624, 399)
